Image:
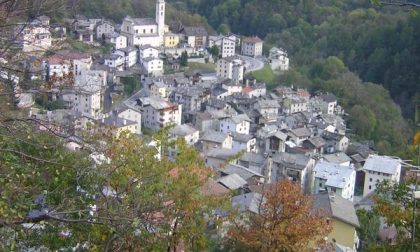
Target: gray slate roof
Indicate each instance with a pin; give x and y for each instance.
(335, 175)
(232, 181)
(301, 132)
(194, 31)
(240, 118)
(316, 141)
(141, 21)
(117, 122)
(328, 98)
(337, 158)
(290, 160)
(182, 130)
(382, 164)
(214, 136)
(253, 158)
(244, 172)
(242, 138)
(221, 153)
(337, 207)
(247, 202)
(268, 104)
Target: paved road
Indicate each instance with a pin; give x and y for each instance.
(252, 64)
(108, 99)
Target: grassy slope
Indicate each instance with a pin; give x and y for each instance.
(265, 75)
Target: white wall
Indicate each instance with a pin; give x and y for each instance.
(371, 178)
(132, 115)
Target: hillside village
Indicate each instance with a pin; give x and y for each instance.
(249, 135)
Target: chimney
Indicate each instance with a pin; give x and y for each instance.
(125, 122)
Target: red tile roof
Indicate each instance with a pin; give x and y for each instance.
(247, 90)
(252, 40)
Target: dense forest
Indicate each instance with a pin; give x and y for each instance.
(379, 43)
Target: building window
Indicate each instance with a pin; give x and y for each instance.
(370, 187)
(370, 180)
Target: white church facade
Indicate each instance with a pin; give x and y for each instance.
(146, 31)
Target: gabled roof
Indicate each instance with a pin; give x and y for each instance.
(182, 130)
(112, 56)
(71, 55)
(148, 59)
(316, 141)
(279, 135)
(252, 157)
(337, 207)
(128, 49)
(212, 188)
(221, 153)
(244, 172)
(301, 132)
(268, 104)
(290, 160)
(247, 90)
(332, 136)
(252, 40)
(337, 158)
(237, 119)
(328, 97)
(144, 47)
(140, 21)
(117, 122)
(156, 103)
(232, 181)
(242, 138)
(248, 202)
(384, 164)
(214, 136)
(335, 175)
(194, 31)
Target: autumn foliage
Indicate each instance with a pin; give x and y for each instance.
(287, 222)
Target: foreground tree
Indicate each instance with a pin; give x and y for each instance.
(395, 204)
(369, 228)
(126, 200)
(286, 222)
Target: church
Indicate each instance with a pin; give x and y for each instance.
(146, 31)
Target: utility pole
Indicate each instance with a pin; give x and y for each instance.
(416, 195)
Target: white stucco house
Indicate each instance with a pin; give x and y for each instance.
(252, 46)
(153, 66)
(334, 178)
(129, 54)
(238, 124)
(378, 169)
(119, 41)
(230, 68)
(158, 113)
(278, 59)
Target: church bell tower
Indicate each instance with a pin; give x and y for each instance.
(160, 18)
